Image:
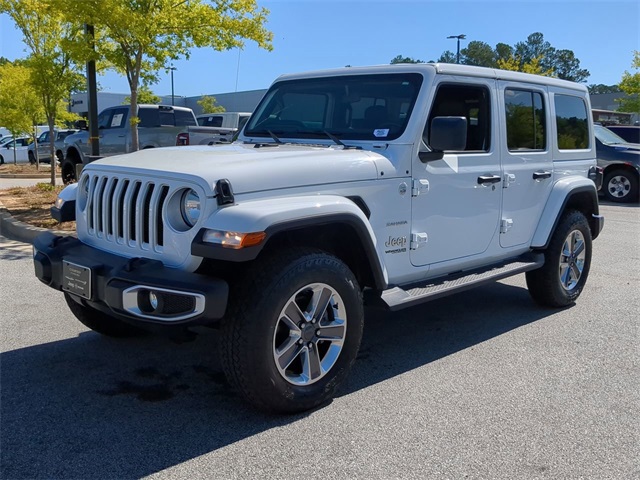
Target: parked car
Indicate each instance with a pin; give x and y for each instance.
(21, 146)
(214, 128)
(159, 125)
(630, 133)
(621, 163)
(44, 146)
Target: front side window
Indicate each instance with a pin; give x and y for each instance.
(470, 102)
(44, 137)
(526, 126)
(357, 107)
(571, 122)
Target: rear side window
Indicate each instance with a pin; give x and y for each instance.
(211, 121)
(526, 128)
(184, 118)
(571, 122)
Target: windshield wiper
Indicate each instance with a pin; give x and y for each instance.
(271, 134)
(337, 140)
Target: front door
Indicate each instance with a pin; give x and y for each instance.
(456, 202)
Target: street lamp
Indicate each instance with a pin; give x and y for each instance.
(172, 95)
(459, 37)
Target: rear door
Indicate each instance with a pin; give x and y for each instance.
(527, 159)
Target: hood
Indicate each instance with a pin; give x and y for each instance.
(250, 169)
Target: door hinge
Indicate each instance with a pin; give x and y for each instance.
(418, 240)
(509, 178)
(419, 186)
(505, 225)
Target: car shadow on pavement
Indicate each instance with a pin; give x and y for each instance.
(94, 407)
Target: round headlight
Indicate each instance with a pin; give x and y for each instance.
(190, 207)
(83, 192)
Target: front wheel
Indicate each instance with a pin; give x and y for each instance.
(68, 172)
(567, 260)
(100, 322)
(621, 186)
(293, 331)
(32, 158)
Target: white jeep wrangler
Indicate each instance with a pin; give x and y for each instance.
(394, 184)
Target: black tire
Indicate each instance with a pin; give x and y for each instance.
(68, 170)
(621, 186)
(1, 160)
(101, 322)
(261, 355)
(567, 261)
(32, 158)
(59, 156)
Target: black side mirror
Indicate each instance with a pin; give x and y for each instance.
(448, 133)
(81, 125)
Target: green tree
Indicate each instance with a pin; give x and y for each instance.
(563, 63)
(630, 84)
(597, 89)
(47, 36)
(478, 53)
(145, 95)
(20, 106)
(447, 57)
(140, 38)
(209, 105)
(401, 59)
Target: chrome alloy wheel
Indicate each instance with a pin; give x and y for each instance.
(572, 260)
(310, 334)
(619, 186)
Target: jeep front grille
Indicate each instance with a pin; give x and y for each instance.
(126, 211)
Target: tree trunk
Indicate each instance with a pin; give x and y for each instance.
(133, 120)
(52, 150)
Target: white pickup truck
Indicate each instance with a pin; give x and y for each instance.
(159, 125)
(390, 185)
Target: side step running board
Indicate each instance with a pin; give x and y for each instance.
(397, 298)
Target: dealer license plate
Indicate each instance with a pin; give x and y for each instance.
(76, 279)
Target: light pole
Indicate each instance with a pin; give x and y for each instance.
(459, 37)
(172, 95)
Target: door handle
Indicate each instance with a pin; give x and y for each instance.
(488, 179)
(121, 136)
(541, 175)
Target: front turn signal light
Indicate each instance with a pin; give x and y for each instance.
(234, 240)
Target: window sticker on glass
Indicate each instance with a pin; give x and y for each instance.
(381, 132)
(116, 120)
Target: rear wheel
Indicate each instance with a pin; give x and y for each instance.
(293, 331)
(1, 160)
(567, 262)
(621, 186)
(101, 322)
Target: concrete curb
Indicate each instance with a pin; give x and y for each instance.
(20, 231)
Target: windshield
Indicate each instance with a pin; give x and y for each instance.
(358, 107)
(606, 136)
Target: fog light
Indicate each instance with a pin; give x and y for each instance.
(153, 300)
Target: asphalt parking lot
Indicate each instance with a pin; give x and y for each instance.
(481, 385)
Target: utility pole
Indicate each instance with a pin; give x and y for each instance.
(172, 95)
(459, 37)
(92, 97)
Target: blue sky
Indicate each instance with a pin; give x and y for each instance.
(317, 34)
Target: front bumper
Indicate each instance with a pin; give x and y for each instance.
(137, 290)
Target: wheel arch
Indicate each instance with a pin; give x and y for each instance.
(333, 224)
(568, 194)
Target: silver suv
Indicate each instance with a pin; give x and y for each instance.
(44, 145)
